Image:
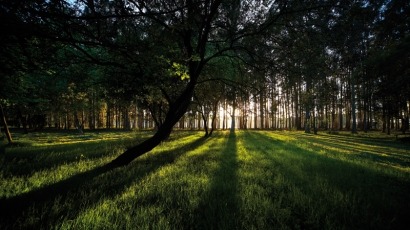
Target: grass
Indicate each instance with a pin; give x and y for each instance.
(242, 180)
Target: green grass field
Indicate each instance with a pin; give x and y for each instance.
(242, 180)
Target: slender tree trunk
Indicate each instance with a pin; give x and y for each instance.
(348, 117)
(333, 114)
(214, 113)
(296, 107)
(287, 107)
(78, 125)
(307, 118)
(23, 121)
(365, 117)
(233, 124)
(224, 116)
(261, 107)
(283, 117)
(340, 117)
(384, 118)
(314, 118)
(108, 117)
(255, 112)
(353, 104)
(6, 127)
(198, 120)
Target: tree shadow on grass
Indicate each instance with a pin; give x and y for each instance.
(82, 190)
(369, 198)
(29, 160)
(384, 152)
(368, 140)
(219, 208)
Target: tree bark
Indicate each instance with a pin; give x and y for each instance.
(353, 104)
(261, 109)
(233, 116)
(213, 123)
(205, 119)
(296, 106)
(175, 112)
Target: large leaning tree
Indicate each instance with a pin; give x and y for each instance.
(156, 50)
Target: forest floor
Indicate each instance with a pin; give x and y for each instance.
(241, 180)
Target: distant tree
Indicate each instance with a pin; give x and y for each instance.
(389, 62)
(4, 122)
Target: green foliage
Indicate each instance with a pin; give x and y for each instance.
(246, 180)
(117, 52)
(179, 70)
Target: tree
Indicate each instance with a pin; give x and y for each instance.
(269, 57)
(389, 62)
(6, 128)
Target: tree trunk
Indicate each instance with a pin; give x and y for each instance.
(6, 127)
(23, 121)
(213, 123)
(205, 119)
(261, 109)
(340, 117)
(353, 104)
(78, 125)
(296, 107)
(175, 112)
(108, 115)
(224, 125)
(348, 117)
(233, 124)
(255, 112)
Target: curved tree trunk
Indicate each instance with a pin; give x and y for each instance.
(176, 111)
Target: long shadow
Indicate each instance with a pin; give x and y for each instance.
(299, 152)
(385, 142)
(77, 189)
(366, 152)
(303, 166)
(45, 158)
(41, 158)
(219, 207)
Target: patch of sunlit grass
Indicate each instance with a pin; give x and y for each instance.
(64, 138)
(318, 179)
(242, 180)
(368, 150)
(160, 198)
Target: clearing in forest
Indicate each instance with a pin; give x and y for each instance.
(241, 180)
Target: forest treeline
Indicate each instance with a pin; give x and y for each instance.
(329, 64)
